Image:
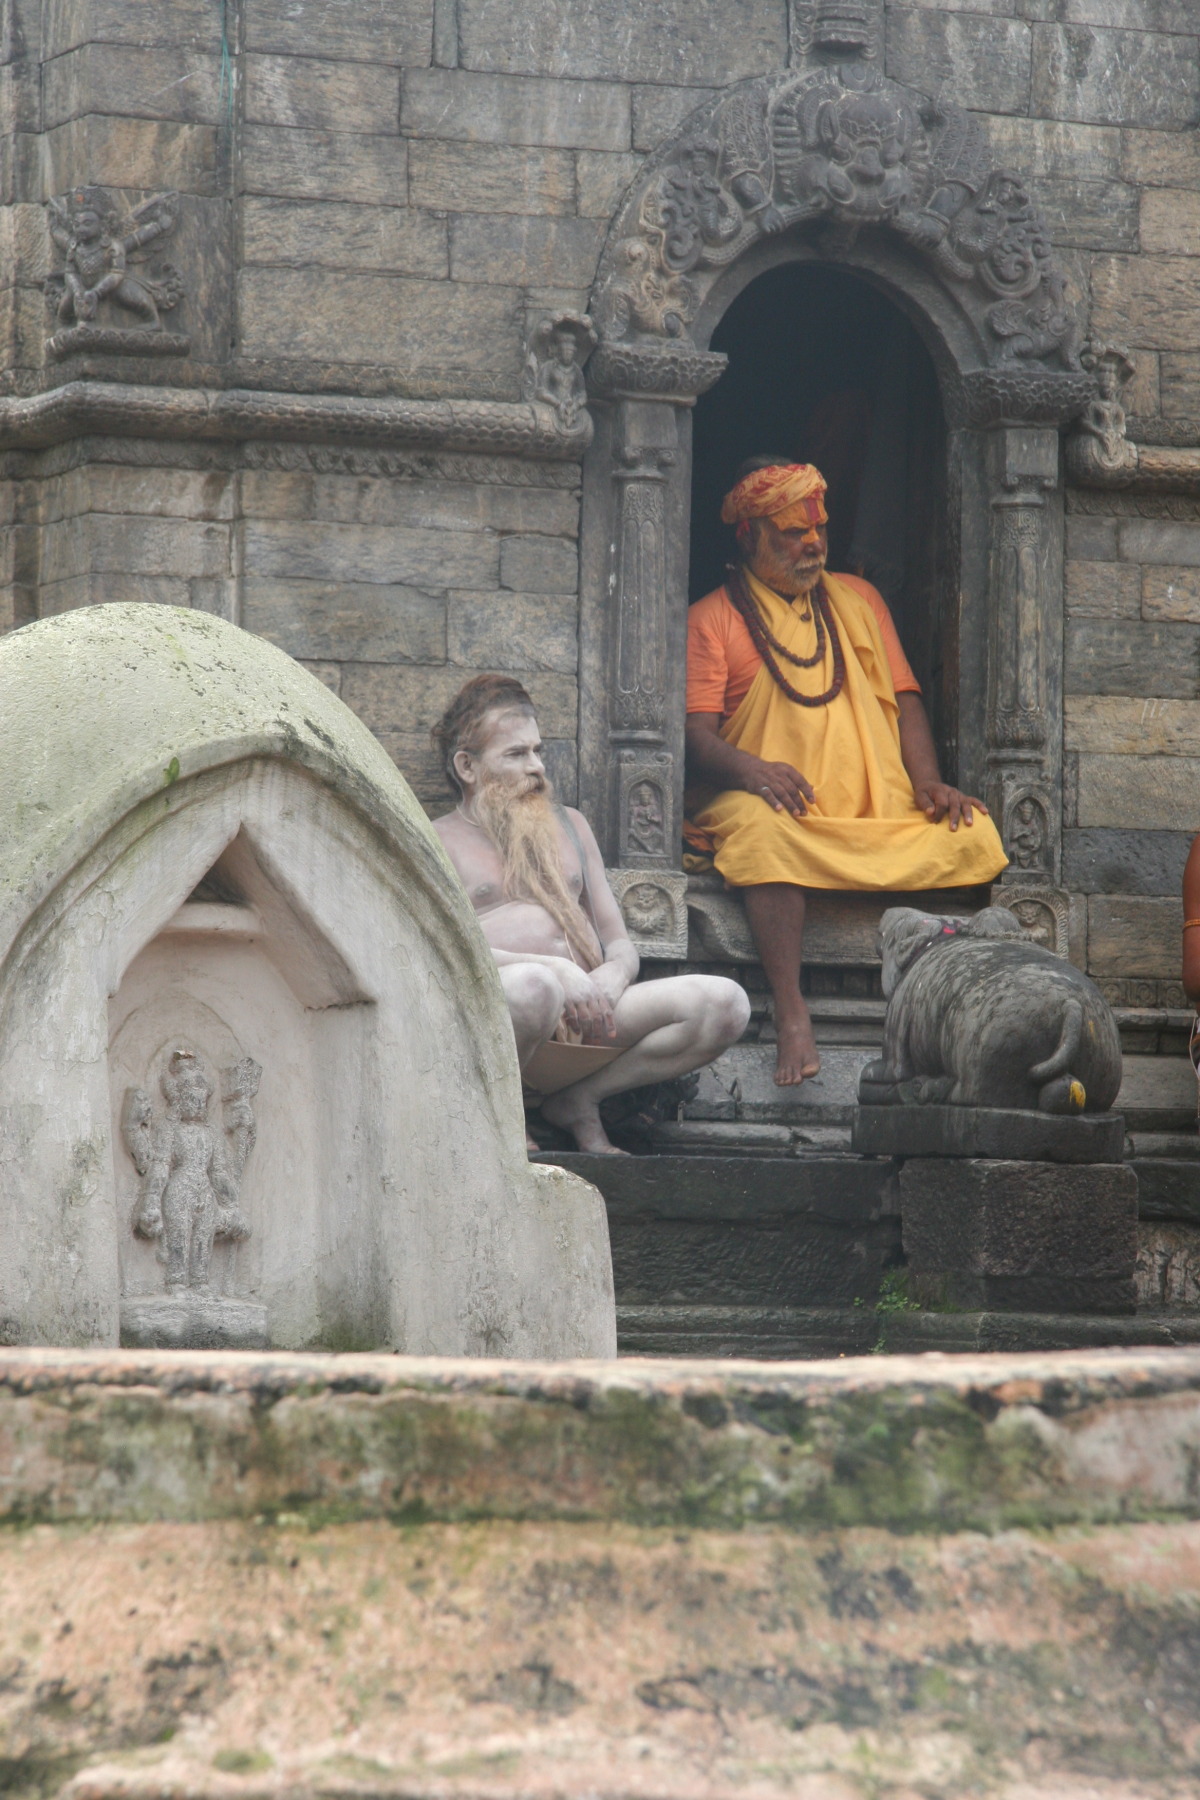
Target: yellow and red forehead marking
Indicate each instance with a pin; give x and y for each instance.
(791, 495)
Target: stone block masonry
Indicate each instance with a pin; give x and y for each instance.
(400, 582)
(1132, 729)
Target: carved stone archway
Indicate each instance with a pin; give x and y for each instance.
(834, 163)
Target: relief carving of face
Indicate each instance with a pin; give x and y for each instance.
(1039, 920)
(868, 137)
(647, 910)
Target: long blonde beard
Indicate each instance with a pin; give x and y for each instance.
(522, 825)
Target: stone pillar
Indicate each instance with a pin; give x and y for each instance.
(646, 797)
(1024, 712)
(633, 626)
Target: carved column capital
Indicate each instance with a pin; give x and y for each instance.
(664, 370)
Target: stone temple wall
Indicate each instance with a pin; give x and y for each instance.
(379, 203)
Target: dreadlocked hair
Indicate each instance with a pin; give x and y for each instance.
(768, 646)
(460, 726)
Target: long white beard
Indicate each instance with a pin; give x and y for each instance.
(521, 823)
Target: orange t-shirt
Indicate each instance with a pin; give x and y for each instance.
(722, 660)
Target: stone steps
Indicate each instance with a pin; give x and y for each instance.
(1158, 1092)
(759, 1248)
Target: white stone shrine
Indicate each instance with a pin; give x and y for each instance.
(257, 1078)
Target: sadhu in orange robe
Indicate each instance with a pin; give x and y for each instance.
(864, 830)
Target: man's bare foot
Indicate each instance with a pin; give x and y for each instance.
(796, 1055)
(582, 1120)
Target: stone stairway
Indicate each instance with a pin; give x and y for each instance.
(753, 1230)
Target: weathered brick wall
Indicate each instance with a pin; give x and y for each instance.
(381, 199)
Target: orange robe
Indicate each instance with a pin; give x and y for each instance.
(864, 830)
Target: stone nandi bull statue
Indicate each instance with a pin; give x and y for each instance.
(980, 1015)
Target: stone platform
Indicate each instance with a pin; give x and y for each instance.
(270, 1577)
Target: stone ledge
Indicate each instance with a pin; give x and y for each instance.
(1168, 1188)
(913, 1130)
(1145, 468)
(746, 1189)
(914, 1443)
(911, 1332)
(113, 408)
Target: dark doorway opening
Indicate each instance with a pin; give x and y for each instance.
(823, 368)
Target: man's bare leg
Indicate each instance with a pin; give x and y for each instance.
(666, 1028)
(776, 914)
(535, 1003)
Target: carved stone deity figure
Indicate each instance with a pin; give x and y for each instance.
(647, 910)
(860, 154)
(645, 819)
(190, 1176)
(553, 372)
(695, 211)
(1104, 419)
(97, 245)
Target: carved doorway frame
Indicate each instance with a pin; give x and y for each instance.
(833, 164)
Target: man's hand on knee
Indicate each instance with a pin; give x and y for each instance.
(937, 801)
(781, 786)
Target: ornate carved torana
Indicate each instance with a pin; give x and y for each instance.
(837, 148)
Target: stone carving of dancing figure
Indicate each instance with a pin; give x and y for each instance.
(96, 252)
(189, 1175)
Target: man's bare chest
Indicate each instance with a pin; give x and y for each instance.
(481, 867)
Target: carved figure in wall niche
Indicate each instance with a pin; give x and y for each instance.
(647, 911)
(1026, 831)
(1104, 419)
(645, 829)
(553, 372)
(189, 1177)
(98, 245)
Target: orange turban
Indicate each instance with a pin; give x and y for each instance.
(791, 495)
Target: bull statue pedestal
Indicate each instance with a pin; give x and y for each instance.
(1000, 1065)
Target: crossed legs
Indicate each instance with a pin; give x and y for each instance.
(776, 914)
(664, 1028)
